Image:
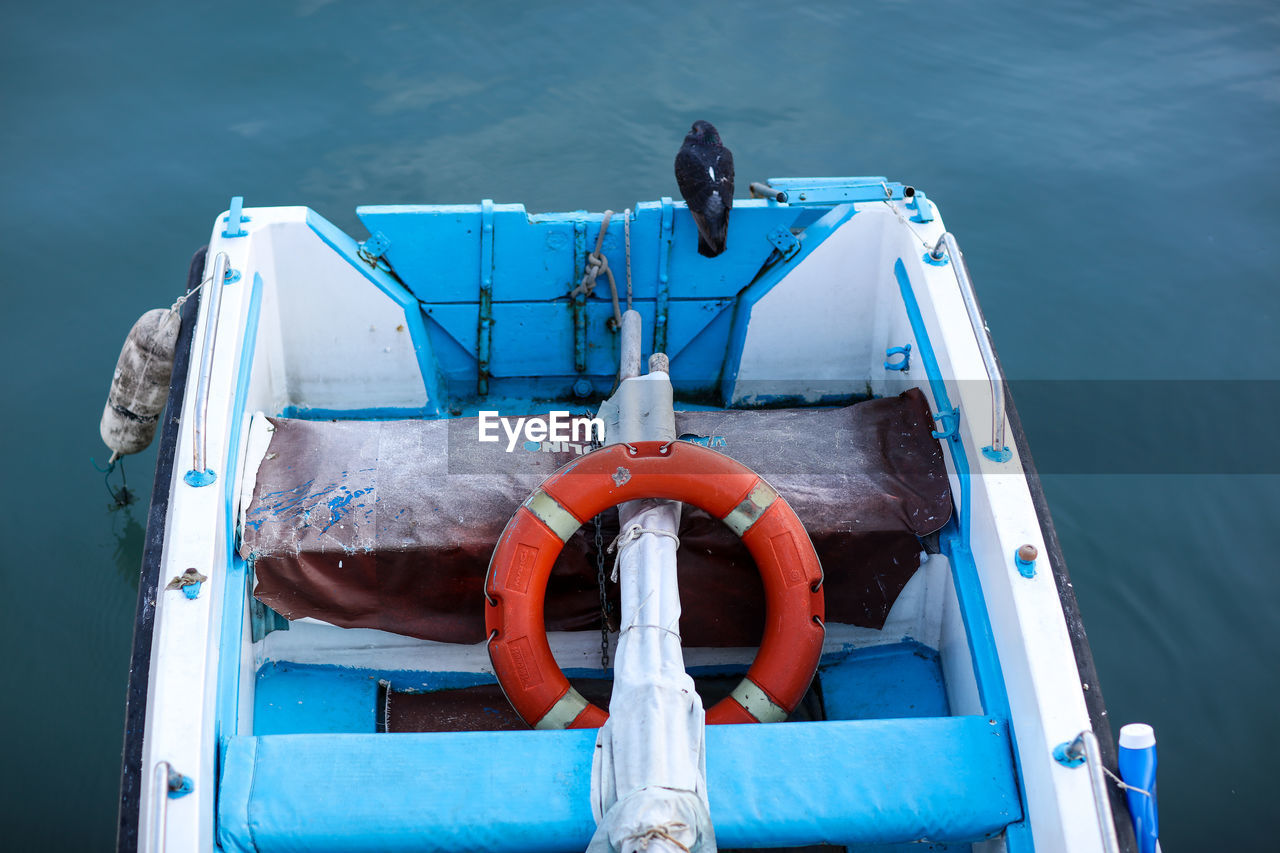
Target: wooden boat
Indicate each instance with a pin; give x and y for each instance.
(379, 607)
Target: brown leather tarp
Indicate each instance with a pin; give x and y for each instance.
(390, 524)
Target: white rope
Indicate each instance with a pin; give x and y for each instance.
(631, 533)
(658, 832)
(1123, 784)
(190, 293)
(907, 223)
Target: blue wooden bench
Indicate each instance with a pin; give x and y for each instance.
(945, 779)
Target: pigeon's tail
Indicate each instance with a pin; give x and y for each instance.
(713, 227)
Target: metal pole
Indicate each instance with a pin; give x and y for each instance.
(1084, 750)
(1093, 760)
(961, 270)
(759, 190)
(200, 435)
(629, 363)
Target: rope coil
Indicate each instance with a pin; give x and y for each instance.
(630, 534)
(663, 833)
(598, 263)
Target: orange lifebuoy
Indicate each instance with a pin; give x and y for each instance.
(516, 584)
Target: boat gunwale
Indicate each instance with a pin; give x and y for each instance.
(135, 724)
(1099, 721)
(1091, 689)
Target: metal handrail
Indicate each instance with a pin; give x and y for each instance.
(159, 814)
(948, 242)
(166, 784)
(200, 473)
(1085, 746)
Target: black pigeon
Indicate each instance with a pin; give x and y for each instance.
(704, 171)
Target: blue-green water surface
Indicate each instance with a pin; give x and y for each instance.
(1110, 170)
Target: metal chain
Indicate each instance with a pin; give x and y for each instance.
(604, 595)
(596, 444)
(626, 229)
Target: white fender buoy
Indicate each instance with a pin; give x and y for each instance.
(141, 383)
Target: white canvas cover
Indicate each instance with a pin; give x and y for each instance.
(649, 777)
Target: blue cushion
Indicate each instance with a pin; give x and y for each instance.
(844, 782)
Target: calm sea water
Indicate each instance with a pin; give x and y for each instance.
(1109, 168)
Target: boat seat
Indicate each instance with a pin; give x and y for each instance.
(390, 524)
(944, 779)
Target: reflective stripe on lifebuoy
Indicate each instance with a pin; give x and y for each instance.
(516, 584)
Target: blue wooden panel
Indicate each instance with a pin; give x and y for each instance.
(435, 249)
(536, 338)
(867, 781)
(691, 275)
(535, 259)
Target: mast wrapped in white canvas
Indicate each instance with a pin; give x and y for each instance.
(648, 783)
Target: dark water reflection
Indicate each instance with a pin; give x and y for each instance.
(129, 535)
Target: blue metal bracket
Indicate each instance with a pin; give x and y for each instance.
(1002, 455)
(196, 479)
(828, 191)
(929, 259)
(785, 242)
(950, 422)
(372, 250)
(1068, 755)
(234, 219)
(923, 208)
(580, 300)
(664, 284)
(484, 339)
(904, 351)
(179, 785)
(232, 277)
(191, 590)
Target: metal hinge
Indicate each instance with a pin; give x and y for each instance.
(372, 250)
(785, 242)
